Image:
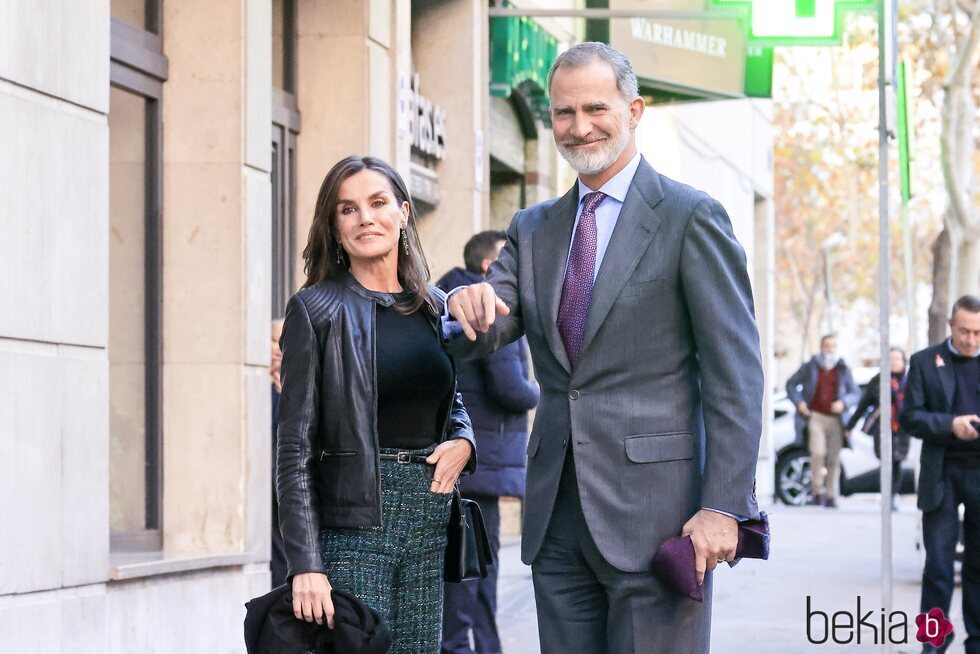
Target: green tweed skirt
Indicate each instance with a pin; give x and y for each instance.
(397, 568)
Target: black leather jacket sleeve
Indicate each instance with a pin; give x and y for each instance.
(460, 427)
(299, 409)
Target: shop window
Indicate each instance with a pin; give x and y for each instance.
(137, 71)
(285, 128)
(284, 45)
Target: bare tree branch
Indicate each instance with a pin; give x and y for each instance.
(967, 6)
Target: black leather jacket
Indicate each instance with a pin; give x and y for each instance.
(327, 472)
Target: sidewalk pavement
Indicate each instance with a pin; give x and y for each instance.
(834, 556)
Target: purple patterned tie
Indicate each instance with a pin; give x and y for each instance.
(577, 289)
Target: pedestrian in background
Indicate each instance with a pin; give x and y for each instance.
(498, 392)
(824, 392)
(277, 564)
(942, 407)
(372, 431)
(868, 408)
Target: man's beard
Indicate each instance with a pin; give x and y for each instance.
(827, 361)
(590, 163)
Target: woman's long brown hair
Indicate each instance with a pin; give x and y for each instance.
(320, 254)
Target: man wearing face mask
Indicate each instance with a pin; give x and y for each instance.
(823, 390)
(942, 403)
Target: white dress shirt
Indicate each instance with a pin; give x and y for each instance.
(607, 213)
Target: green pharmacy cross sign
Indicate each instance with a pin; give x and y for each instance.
(796, 22)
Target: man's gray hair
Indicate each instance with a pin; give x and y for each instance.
(583, 54)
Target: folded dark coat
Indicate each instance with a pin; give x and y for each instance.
(271, 627)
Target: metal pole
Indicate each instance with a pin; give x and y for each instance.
(886, 11)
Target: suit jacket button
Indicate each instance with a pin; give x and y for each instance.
(574, 395)
(564, 442)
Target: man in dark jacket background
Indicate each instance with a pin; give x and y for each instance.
(942, 407)
(498, 393)
(824, 393)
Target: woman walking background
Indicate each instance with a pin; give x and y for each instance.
(372, 432)
(872, 424)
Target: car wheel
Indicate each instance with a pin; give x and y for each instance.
(793, 477)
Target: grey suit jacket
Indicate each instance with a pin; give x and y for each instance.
(664, 408)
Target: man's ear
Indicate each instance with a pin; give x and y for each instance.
(485, 266)
(636, 108)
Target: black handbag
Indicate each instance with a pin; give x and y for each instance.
(467, 543)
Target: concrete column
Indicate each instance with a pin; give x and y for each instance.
(345, 87)
(458, 82)
(217, 251)
(54, 265)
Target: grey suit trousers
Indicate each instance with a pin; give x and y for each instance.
(587, 606)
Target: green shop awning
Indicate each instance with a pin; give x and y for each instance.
(521, 53)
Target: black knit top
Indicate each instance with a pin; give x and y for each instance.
(415, 379)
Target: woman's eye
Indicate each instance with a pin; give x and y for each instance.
(378, 202)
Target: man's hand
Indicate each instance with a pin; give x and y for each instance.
(475, 307)
(803, 409)
(837, 407)
(964, 429)
(449, 458)
(715, 538)
(311, 598)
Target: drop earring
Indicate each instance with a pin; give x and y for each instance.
(405, 238)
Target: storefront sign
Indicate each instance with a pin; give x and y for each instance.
(423, 184)
(803, 22)
(703, 55)
(423, 122)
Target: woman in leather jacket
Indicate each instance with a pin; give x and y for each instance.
(372, 432)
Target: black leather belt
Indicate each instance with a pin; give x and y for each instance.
(404, 457)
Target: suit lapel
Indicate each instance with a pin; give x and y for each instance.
(549, 249)
(947, 378)
(635, 229)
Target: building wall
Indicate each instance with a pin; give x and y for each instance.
(54, 95)
(61, 588)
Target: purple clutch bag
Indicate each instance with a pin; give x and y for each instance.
(674, 561)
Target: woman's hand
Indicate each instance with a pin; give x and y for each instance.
(449, 459)
(311, 598)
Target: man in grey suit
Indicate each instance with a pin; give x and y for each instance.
(635, 300)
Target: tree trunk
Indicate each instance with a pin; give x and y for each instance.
(941, 249)
(957, 151)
